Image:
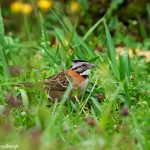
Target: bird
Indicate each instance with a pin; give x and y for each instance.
(77, 74)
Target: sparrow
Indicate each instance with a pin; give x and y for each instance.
(77, 74)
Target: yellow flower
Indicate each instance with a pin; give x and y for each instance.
(26, 8)
(74, 6)
(19, 7)
(45, 4)
(16, 7)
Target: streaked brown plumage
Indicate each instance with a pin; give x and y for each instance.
(77, 74)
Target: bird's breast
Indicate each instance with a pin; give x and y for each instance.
(78, 79)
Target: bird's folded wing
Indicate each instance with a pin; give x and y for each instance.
(58, 82)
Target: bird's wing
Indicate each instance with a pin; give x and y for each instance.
(58, 82)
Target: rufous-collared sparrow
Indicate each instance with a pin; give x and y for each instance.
(77, 74)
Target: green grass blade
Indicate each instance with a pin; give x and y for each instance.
(126, 61)
(44, 40)
(4, 64)
(60, 36)
(2, 44)
(24, 96)
(142, 29)
(2, 35)
(138, 131)
(148, 12)
(89, 32)
(111, 52)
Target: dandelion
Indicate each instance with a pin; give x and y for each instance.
(45, 4)
(16, 7)
(19, 7)
(26, 8)
(74, 6)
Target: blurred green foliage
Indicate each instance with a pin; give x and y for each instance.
(123, 15)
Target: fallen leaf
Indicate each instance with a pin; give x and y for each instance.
(139, 53)
(145, 53)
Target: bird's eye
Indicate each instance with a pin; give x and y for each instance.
(84, 65)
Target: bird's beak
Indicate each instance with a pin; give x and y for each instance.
(92, 65)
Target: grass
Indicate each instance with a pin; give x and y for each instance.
(118, 119)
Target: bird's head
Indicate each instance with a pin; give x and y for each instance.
(82, 67)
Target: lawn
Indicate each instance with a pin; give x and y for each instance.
(39, 39)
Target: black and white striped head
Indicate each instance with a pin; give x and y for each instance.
(82, 67)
